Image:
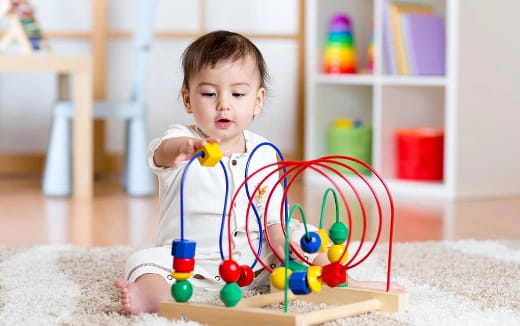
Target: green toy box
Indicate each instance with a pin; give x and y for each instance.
(354, 141)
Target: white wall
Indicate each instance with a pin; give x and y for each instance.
(488, 134)
(26, 99)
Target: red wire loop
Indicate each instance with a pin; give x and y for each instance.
(293, 170)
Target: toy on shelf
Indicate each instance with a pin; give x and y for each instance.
(351, 138)
(420, 153)
(23, 28)
(340, 54)
(371, 52)
(291, 279)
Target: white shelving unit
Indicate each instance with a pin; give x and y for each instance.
(478, 158)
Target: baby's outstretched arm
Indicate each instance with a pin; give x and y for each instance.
(172, 151)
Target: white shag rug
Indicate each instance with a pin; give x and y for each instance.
(450, 283)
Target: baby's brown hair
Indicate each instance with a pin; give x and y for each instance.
(213, 47)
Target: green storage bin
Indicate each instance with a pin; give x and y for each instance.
(351, 141)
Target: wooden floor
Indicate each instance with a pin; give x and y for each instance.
(27, 217)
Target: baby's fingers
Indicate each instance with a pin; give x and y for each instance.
(296, 250)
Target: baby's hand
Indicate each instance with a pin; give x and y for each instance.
(280, 248)
(189, 147)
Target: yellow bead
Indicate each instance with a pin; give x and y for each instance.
(180, 276)
(278, 277)
(324, 240)
(212, 154)
(313, 278)
(335, 253)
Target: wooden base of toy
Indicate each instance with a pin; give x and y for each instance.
(345, 302)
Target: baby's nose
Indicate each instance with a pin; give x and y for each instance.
(223, 103)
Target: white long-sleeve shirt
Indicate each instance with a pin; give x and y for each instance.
(204, 194)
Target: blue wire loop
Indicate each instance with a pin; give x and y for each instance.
(257, 215)
(221, 236)
(183, 178)
(184, 173)
(222, 224)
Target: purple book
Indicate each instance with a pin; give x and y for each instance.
(388, 49)
(425, 43)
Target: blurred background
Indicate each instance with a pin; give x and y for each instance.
(468, 188)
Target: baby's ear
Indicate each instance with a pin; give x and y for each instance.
(260, 97)
(186, 99)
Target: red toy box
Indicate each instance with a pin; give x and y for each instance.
(420, 154)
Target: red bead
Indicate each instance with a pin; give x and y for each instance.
(334, 274)
(246, 276)
(229, 270)
(183, 265)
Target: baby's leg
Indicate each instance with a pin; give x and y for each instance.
(145, 285)
(143, 295)
(321, 259)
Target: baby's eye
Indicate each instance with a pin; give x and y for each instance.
(238, 94)
(208, 94)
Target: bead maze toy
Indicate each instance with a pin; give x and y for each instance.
(23, 28)
(291, 279)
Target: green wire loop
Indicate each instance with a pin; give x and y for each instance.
(323, 202)
(291, 212)
(302, 213)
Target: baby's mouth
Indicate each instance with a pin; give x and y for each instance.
(223, 123)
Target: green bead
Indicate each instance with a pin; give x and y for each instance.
(230, 294)
(182, 291)
(338, 233)
(296, 266)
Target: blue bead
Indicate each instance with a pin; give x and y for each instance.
(310, 243)
(183, 248)
(298, 282)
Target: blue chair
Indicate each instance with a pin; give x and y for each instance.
(138, 180)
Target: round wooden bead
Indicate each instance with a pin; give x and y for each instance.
(314, 278)
(229, 270)
(278, 277)
(324, 240)
(335, 253)
(181, 291)
(338, 232)
(183, 265)
(310, 242)
(180, 276)
(298, 283)
(230, 294)
(246, 276)
(333, 274)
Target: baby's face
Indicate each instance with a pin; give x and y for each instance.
(224, 99)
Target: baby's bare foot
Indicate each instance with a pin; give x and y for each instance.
(135, 299)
